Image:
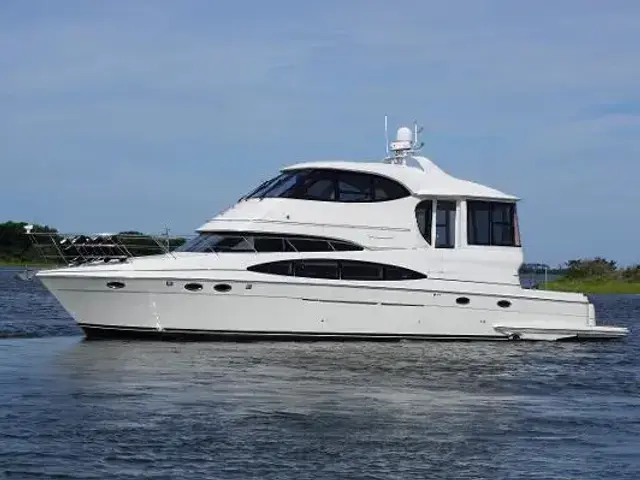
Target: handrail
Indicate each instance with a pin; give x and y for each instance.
(74, 249)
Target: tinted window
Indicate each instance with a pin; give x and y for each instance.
(316, 269)
(445, 224)
(399, 273)
(274, 268)
(479, 223)
(310, 245)
(323, 188)
(355, 187)
(423, 217)
(387, 189)
(334, 269)
(288, 183)
(196, 244)
(268, 244)
(331, 185)
(263, 187)
(491, 223)
(263, 242)
(361, 271)
(279, 185)
(232, 243)
(342, 246)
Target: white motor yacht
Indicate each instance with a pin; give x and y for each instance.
(386, 250)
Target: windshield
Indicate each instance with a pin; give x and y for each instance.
(330, 186)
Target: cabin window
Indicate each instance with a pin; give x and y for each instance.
(355, 187)
(445, 224)
(316, 269)
(337, 269)
(386, 189)
(331, 185)
(243, 242)
(310, 245)
(274, 268)
(317, 185)
(270, 244)
(392, 272)
(492, 223)
(423, 217)
(361, 271)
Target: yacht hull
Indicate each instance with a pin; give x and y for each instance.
(258, 310)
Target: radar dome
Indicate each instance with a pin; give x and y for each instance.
(404, 135)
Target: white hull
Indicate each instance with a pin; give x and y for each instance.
(320, 310)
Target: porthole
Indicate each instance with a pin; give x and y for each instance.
(193, 287)
(222, 287)
(115, 285)
(462, 301)
(504, 303)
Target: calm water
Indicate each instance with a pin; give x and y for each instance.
(75, 409)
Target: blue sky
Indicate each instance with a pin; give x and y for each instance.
(135, 115)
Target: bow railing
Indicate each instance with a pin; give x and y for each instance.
(78, 249)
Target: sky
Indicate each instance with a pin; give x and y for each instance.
(128, 115)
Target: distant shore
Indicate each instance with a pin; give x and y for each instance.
(593, 286)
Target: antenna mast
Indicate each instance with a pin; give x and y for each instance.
(405, 145)
(386, 135)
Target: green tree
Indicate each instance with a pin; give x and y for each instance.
(15, 245)
(591, 268)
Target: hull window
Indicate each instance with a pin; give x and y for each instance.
(317, 269)
(331, 185)
(193, 287)
(337, 269)
(462, 301)
(492, 223)
(398, 273)
(243, 242)
(274, 268)
(361, 271)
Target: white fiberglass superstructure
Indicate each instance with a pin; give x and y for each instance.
(394, 249)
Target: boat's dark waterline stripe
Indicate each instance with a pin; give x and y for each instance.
(104, 332)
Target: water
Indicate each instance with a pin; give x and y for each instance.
(107, 410)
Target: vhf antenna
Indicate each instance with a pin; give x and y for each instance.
(386, 135)
(417, 130)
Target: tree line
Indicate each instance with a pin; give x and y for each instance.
(597, 269)
(601, 269)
